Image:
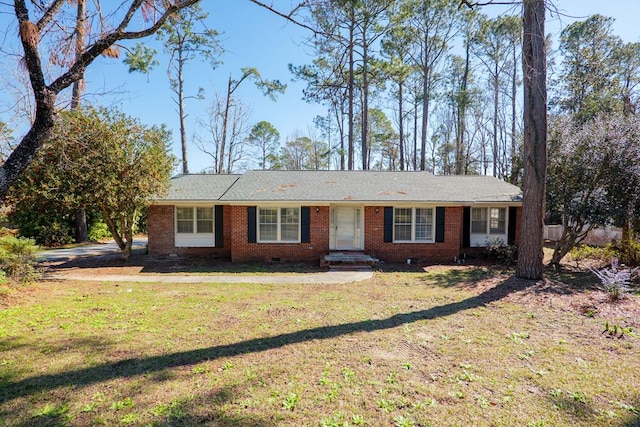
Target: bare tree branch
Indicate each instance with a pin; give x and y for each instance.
(288, 16)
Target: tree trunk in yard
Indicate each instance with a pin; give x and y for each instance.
(530, 255)
(225, 124)
(182, 114)
(401, 125)
(81, 233)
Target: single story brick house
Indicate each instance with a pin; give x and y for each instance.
(304, 215)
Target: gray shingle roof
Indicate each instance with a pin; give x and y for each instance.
(345, 186)
(199, 187)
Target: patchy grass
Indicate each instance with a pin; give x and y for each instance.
(442, 347)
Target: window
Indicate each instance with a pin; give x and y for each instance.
(290, 221)
(279, 224)
(478, 220)
(488, 220)
(268, 224)
(194, 226)
(197, 220)
(184, 220)
(204, 220)
(497, 223)
(413, 225)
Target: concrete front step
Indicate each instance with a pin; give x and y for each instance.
(348, 259)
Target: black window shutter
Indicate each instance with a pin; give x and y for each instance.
(440, 224)
(511, 239)
(466, 227)
(251, 220)
(219, 226)
(388, 224)
(305, 224)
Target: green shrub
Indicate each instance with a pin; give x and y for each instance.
(18, 259)
(98, 231)
(497, 250)
(627, 252)
(595, 253)
(54, 234)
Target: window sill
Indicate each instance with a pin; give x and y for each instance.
(278, 242)
(415, 242)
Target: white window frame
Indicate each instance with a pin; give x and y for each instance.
(480, 238)
(493, 230)
(279, 224)
(429, 239)
(195, 238)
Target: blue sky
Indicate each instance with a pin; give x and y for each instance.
(252, 36)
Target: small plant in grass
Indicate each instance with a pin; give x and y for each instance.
(348, 374)
(386, 405)
(130, 419)
(89, 407)
(579, 397)
(617, 331)
(52, 411)
(290, 401)
(336, 420)
(357, 420)
(324, 379)
(127, 402)
(402, 421)
(526, 355)
(519, 336)
(482, 401)
(615, 280)
(465, 376)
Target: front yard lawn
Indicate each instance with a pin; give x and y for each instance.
(450, 346)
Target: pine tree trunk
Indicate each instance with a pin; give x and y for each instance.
(401, 126)
(81, 234)
(530, 255)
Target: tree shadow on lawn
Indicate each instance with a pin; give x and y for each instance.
(138, 366)
(564, 282)
(200, 410)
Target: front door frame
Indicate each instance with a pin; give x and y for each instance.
(337, 240)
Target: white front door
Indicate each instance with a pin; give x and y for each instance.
(345, 228)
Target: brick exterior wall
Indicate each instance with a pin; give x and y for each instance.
(421, 252)
(161, 228)
(161, 238)
(242, 250)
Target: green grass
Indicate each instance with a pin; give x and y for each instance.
(402, 349)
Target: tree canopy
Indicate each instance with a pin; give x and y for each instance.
(42, 25)
(103, 159)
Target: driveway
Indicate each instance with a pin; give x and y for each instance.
(93, 249)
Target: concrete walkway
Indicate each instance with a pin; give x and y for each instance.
(99, 249)
(329, 277)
